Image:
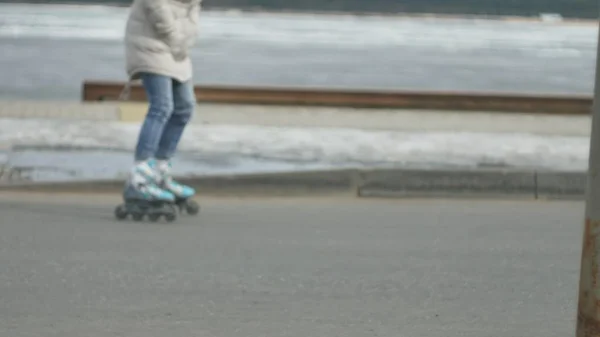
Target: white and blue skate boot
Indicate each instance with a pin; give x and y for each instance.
(144, 197)
(183, 194)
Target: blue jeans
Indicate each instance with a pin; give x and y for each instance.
(171, 104)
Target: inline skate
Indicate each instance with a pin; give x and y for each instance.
(144, 198)
(183, 194)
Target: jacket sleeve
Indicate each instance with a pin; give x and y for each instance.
(161, 17)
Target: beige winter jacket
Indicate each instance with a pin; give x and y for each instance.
(159, 35)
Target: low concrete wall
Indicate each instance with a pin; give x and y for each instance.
(301, 183)
(99, 111)
(320, 117)
(410, 183)
(374, 183)
(560, 185)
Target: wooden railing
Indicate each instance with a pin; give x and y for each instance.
(456, 101)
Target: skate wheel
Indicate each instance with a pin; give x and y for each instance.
(170, 217)
(137, 216)
(120, 212)
(153, 217)
(192, 207)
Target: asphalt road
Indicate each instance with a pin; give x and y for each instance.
(290, 267)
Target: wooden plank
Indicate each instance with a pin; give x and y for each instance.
(456, 101)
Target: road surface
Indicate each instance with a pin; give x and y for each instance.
(290, 267)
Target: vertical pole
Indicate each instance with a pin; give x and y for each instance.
(588, 309)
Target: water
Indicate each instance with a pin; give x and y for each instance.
(49, 50)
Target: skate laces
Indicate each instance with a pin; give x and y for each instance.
(153, 189)
(165, 180)
(163, 169)
(145, 185)
(146, 172)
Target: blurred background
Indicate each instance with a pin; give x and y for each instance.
(545, 46)
(528, 47)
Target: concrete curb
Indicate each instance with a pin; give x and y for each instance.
(334, 182)
(369, 183)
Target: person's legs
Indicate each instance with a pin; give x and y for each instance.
(184, 101)
(144, 176)
(159, 90)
